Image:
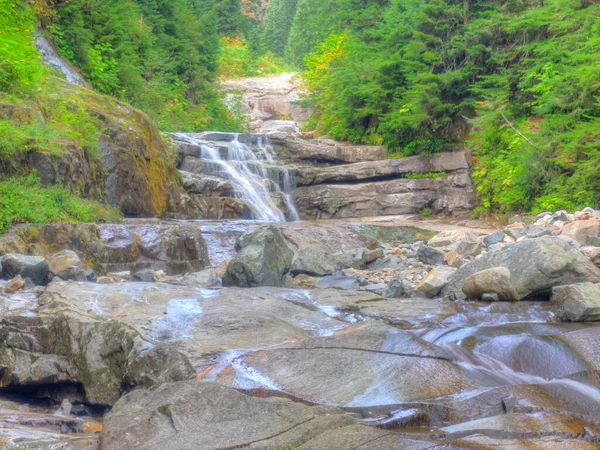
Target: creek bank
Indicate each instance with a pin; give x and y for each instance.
(314, 366)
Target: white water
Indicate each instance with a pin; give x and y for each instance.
(245, 167)
(52, 59)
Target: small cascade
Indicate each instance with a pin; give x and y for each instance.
(51, 58)
(250, 164)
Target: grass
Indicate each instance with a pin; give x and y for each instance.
(419, 176)
(25, 200)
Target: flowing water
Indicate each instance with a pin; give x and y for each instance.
(252, 169)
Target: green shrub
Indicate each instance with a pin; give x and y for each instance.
(426, 212)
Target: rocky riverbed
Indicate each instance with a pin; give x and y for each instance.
(199, 334)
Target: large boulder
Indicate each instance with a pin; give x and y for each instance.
(263, 259)
(583, 231)
(577, 302)
(593, 253)
(190, 414)
(464, 242)
(535, 265)
(67, 265)
(495, 281)
(430, 256)
(33, 267)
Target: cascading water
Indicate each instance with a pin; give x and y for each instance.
(251, 169)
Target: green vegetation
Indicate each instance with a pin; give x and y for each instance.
(425, 175)
(426, 212)
(238, 60)
(158, 55)
(517, 81)
(24, 200)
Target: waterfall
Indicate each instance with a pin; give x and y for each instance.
(51, 58)
(251, 166)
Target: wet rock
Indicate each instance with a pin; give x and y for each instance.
(496, 281)
(120, 277)
(65, 408)
(535, 265)
(208, 186)
(577, 302)
(523, 426)
(14, 285)
(203, 412)
(64, 344)
(148, 276)
(345, 283)
(430, 256)
(593, 253)
(67, 265)
(435, 281)
(263, 259)
(33, 267)
(207, 278)
(159, 365)
(90, 275)
(362, 366)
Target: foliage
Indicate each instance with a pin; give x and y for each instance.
(425, 175)
(275, 28)
(426, 212)
(24, 200)
(517, 81)
(159, 55)
(237, 60)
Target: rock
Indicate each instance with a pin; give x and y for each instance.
(120, 277)
(204, 413)
(535, 265)
(14, 285)
(221, 267)
(454, 259)
(435, 281)
(528, 232)
(65, 407)
(263, 259)
(369, 170)
(303, 281)
(583, 231)
(33, 267)
(493, 238)
(345, 283)
(90, 275)
(491, 281)
(430, 256)
(206, 185)
(208, 278)
(593, 253)
(577, 302)
(67, 265)
(349, 368)
(395, 289)
(470, 245)
(381, 198)
(159, 365)
(148, 276)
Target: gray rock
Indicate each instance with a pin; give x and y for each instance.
(345, 283)
(148, 275)
(395, 289)
(67, 265)
(90, 276)
(263, 259)
(378, 288)
(490, 281)
(493, 238)
(430, 256)
(470, 245)
(583, 231)
(435, 281)
(207, 278)
(593, 253)
(577, 302)
(162, 364)
(33, 267)
(528, 232)
(535, 265)
(205, 412)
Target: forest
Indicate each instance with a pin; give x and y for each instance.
(515, 82)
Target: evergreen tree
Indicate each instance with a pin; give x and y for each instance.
(277, 23)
